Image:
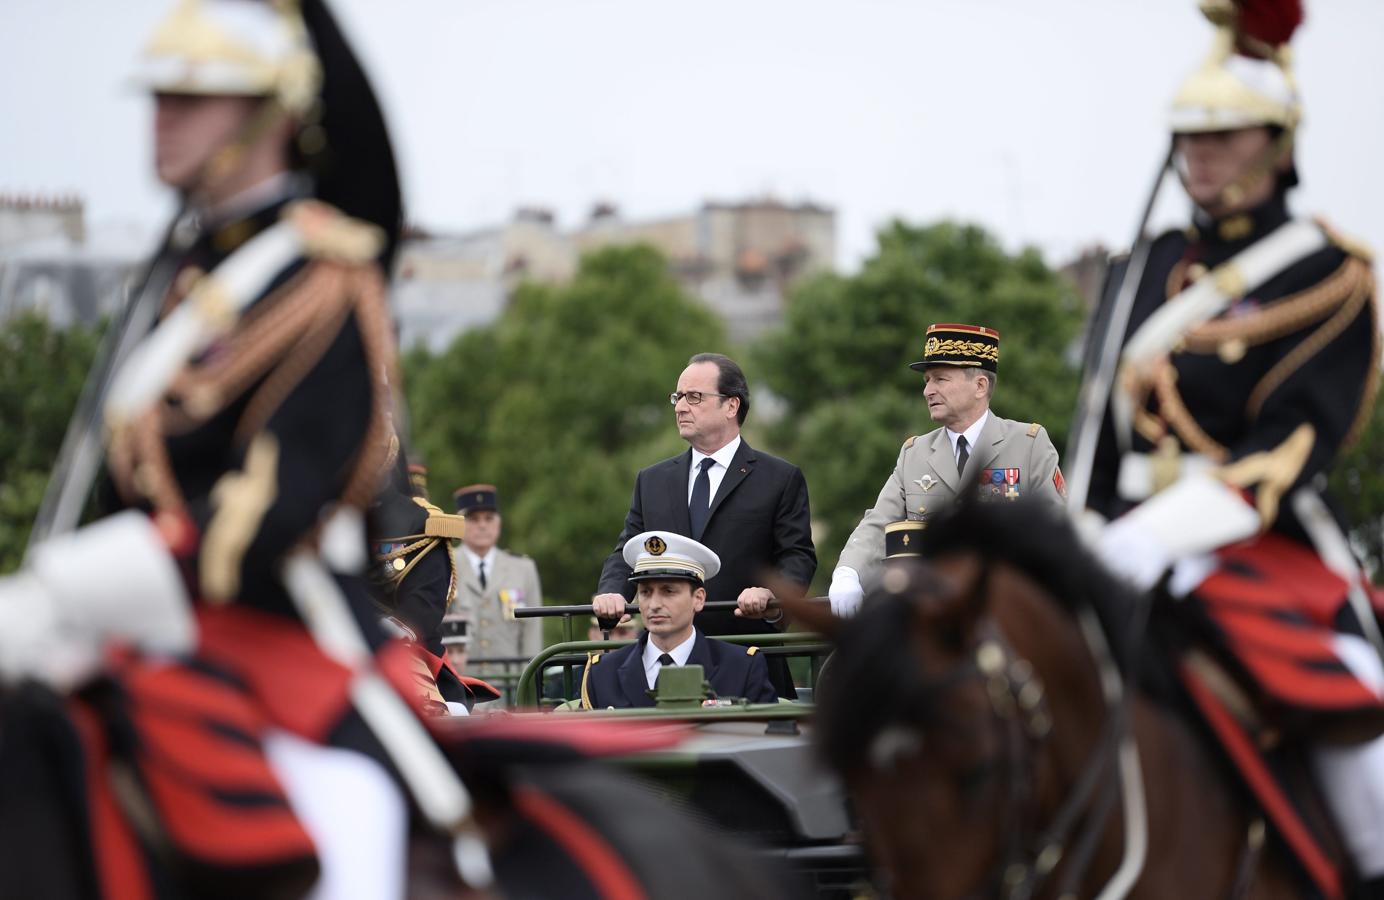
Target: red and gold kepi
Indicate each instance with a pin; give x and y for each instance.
(960, 345)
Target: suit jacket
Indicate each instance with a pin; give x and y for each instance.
(495, 631)
(759, 524)
(1011, 461)
(616, 679)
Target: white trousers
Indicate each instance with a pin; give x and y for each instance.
(1351, 776)
(352, 810)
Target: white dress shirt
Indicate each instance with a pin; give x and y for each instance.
(489, 559)
(716, 472)
(652, 653)
(972, 435)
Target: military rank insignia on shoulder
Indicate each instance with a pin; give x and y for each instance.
(328, 233)
(909, 443)
(751, 651)
(1353, 246)
(1034, 429)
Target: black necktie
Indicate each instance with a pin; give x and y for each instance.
(666, 660)
(699, 507)
(962, 454)
(480, 570)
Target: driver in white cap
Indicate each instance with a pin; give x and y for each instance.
(670, 573)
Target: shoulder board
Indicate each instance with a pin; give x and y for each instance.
(1034, 429)
(909, 443)
(445, 525)
(592, 658)
(328, 233)
(751, 651)
(1353, 246)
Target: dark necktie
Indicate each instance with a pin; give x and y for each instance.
(480, 571)
(666, 660)
(699, 507)
(962, 454)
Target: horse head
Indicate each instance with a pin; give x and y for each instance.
(963, 708)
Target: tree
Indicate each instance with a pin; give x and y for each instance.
(1357, 481)
(839, 363)
(41, 373)
(559, 403)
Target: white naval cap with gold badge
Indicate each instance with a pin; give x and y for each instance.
(663, 555)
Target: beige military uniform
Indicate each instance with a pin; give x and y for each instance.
(494, 630)
(1011, 461)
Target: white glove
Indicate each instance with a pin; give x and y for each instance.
(112, 580)
(32, 641)
(1131, 551)
(1192, 517)
(845, 592)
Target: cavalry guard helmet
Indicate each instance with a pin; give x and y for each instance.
(292, 54)
(1246, 80)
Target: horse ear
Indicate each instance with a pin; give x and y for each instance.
(958, 600)
(813, 613)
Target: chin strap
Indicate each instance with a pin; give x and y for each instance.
(1233, 195)
(230, 158)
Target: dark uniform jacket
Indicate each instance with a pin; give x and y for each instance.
(616, 679)
(281, 418)
(1295, 358)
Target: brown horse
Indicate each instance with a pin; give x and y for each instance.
(996, 746)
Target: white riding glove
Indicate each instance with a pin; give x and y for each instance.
(1194, 516)
(845, 592)
(112, 580)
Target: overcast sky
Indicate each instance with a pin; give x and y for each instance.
(1041, 119)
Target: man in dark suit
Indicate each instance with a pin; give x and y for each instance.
(749, 507)
(670, 574)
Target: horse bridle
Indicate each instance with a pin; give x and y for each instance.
(1018, 701)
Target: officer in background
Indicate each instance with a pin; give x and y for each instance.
(974, 453)
(670, 573)
(493, 582)
(456, 639)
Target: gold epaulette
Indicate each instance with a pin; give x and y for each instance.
(751, 651)
(1353, 246)
(909, 443)
(445, 525)
(440, 524)
(328, 233)
(591, 659)
(1034, 429)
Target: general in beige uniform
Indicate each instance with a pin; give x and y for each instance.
(1003, 461)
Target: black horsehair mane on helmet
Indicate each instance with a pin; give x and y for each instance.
(356, 173)
(871, 660)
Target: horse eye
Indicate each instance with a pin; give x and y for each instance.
(974, 777)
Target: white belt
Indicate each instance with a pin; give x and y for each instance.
(1141, 478)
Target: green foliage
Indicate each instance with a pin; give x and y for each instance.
(1358, 482)
(41, 373)
(840, 360)
(559, 404)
